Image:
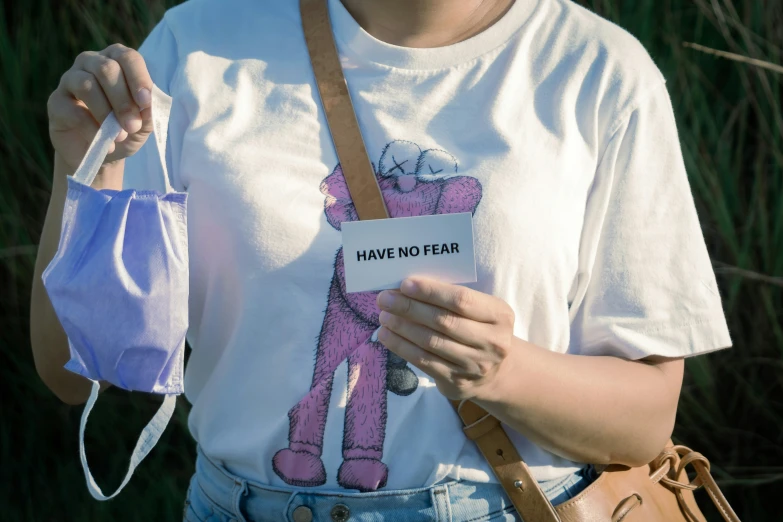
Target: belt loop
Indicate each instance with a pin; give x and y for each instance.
(239, 491)
(441, 503)
(287, 508)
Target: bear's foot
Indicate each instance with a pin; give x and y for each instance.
(364, 474)
(299, 468)
(401, 380)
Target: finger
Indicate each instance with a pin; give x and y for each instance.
(463, 301)
(136, 74)
(461, 329)
(83, 86)
(112, 80)
(67, 115)
(147, 125)
(430, 340)
(431, 364)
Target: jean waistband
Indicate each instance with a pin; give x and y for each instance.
(248, 501)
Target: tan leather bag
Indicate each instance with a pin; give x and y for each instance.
(658, 492)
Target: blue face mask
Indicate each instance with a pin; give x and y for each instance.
(119, 285)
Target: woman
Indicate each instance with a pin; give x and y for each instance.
(552, 126)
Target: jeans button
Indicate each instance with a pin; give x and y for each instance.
(340, 513)
(303, 514)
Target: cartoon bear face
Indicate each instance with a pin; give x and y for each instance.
(413, 182)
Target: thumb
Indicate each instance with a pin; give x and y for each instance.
(147, 125)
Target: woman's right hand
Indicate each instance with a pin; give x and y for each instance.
(114, 79)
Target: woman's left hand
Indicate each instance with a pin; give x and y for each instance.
(458, 336)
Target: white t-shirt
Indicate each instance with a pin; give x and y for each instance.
(553, 126)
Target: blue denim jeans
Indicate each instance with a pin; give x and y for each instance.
(216, 495)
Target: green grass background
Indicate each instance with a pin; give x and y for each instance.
(730, 126)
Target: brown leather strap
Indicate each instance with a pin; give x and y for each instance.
(340, 116)
(703, 478)
(627, 505)
(715, 493)
(513, 474)
(481, 427)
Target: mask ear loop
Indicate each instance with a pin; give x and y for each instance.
(99, 148)
(110, 129)
(161, 112)
(147, 440)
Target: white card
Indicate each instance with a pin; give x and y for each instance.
(380, 253)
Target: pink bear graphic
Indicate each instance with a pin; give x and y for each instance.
(414, 189)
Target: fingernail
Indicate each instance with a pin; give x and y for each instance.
(143, 97)
(383, 333)
(383, 317)
(132, 124)
(121, 136)
(386, 299)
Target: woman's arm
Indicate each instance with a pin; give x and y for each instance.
(593, 409)
(597, 409)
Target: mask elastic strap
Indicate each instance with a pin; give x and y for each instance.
(110, 129)
(147, 440)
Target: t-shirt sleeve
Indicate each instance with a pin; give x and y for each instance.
(646, 285)
(143, 170)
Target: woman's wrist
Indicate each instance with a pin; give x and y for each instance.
(511, 378)
(109, 176)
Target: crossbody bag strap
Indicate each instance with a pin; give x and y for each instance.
(340, 116)
(481, 427)
(504, 459)
(670, 465)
